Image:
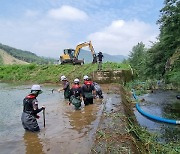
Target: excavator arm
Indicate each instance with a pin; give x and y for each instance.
(93, 52)
(79, 46)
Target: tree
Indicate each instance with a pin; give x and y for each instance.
(169, 39)
(170, 27)
(154, 66)
(137, 59)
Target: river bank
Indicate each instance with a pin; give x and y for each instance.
(112, 135)
(120, 132)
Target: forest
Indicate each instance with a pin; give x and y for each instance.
(162, 60)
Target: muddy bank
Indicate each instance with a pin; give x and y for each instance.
(113, 135)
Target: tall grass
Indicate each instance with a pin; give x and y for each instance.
(150, 143)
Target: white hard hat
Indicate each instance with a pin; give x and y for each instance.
(76, 80)
(63, 78)
(36, 87)
(85, 77)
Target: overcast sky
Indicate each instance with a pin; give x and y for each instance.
(46, 27)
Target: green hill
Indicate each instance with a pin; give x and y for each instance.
(26, 56)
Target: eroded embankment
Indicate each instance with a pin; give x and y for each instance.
(113, 135)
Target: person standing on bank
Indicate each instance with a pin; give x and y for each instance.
(100, 57)
(66, 87)
(88, 91)
(30, 110)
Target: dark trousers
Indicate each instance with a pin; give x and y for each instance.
(88, 101)
(100, 65)
(29, 122)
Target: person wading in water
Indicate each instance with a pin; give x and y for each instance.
(66, 87)
(88, 91)
(75, 94)
(30, 110)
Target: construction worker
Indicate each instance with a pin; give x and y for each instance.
(75, 94)
(88, 91)
(66, 87)
(100, 57)
(30, 109)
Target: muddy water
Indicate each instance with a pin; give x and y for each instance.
(67, 131)
(162, 104)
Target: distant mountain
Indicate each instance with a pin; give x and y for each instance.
(87, 56)
(25, 56)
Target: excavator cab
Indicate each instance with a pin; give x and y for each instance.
(68, 57)
(69, 52)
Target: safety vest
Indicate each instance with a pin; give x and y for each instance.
(28, 103)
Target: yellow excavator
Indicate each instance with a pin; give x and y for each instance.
(71, 55)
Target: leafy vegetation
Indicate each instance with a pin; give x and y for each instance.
(26, 55)
(137, 59)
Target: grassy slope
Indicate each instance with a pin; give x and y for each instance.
(8, 59)
(50, 73)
